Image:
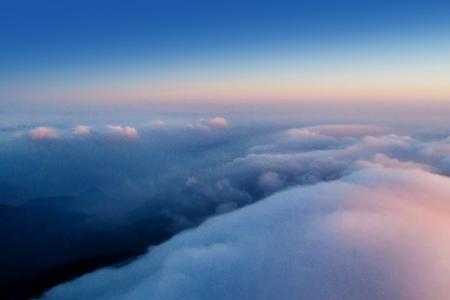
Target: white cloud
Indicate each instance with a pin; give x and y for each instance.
(43, 133)
(208, 124)
(305, 156)
(319, 137)
(377, 234)
(123, 131)
(82, 130)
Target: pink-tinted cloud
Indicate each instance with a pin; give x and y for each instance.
(219, 122)
(43, 133)
(82, 130)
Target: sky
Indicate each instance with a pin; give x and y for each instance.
(103, 53)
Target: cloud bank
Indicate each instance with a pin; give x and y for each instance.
(111, 196)
(376, 234)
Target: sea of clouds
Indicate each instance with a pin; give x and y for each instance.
(319, 210)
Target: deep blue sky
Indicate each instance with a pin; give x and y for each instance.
(41, 39)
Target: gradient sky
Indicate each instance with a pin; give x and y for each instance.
(104, 52)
